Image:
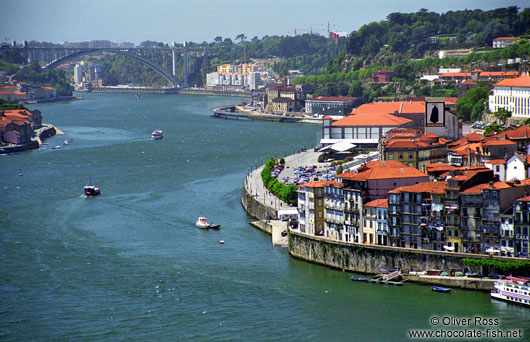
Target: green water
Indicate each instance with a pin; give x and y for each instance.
(131, 266)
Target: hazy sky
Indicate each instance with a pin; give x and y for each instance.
(202, 20)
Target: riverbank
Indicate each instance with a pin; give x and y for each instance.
(54, 99)
(355, 257)
(240, 112)
(41, 134)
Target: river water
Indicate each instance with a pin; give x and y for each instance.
(130, 265)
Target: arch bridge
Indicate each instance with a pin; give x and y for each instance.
(52, 57)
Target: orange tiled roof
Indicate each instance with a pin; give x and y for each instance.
(495, 142)
(405, 144)
(440, 167)
(496, 162)
(378, 203)
(524, 199)
(384, 173)
(477, 189)
(391, 107)
(371, 119)
(429, 187)
(505, 38)
(522, 81)
(316, 184)
(520, 132)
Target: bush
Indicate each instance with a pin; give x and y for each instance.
(321, 158)
(286, 193)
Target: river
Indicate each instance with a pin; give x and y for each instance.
(130, 265)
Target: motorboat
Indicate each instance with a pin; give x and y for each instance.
(157, 135)
(91, 190)
(68, 142)
(441, 289)
(513, 289)
(57, 147)
(204, 224)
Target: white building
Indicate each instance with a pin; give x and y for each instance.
(502, 42)
(498, 166)
(512, 94)
(517, 167)
(233, 80)
(78, 73)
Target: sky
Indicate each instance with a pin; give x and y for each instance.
(168, 21)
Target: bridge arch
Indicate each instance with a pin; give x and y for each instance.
(163, 72)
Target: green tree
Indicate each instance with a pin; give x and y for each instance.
(471, 106)
(502, 114)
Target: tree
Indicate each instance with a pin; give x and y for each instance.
(241, 37)
(502, 114)
(471, 106)
(340, 170)
(492, 128)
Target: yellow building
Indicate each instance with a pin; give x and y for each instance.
(313, 210)
(225, 68)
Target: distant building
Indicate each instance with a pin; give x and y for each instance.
(382, 76)
(478, 75)
(513, 95)
(78, 73)
(502, 42)
(330, 105)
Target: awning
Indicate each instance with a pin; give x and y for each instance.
(340, 146)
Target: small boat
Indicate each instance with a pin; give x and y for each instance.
(68, 142)
(157, 135)
(360, 278)
(91, 190)
(137, 96)
(57, 147)
(441, 289)
(204, 224)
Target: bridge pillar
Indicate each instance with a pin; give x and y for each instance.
(174, 52)
(185, 74)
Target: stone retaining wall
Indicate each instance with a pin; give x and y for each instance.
(255, 208)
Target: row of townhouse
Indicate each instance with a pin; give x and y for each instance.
(25, 92)
(391, 204)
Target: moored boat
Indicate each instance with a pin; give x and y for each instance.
(157, 135)
(441, 289)
(204, 224)
(513, 289)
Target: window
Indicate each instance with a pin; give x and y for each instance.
(411, 155)
(400, 155)
(390, 155)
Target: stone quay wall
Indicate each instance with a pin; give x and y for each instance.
(255, 208)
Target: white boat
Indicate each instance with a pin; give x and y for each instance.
(157, 135)
(202, 223)
(513, 289)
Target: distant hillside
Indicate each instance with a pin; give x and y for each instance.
(403, 36)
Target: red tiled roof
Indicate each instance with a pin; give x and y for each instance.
(378, 203)
(522, 81)
(524, 199)
(391, 107)
(440, 167)
(504, 38)
(327, 117)
(477, 189)
(496, 162)
(520, 132)
(494, 142)
(384, 173)
(408, 144)
(429, 187)
(469, 82)
(316, 184)
(371, 119)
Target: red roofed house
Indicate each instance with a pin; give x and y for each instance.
(311, 208)
(382, 76)
(517, 167)
(375, 224)
(512, 94)
(363, 129)
(417, 151)
(502, 42)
